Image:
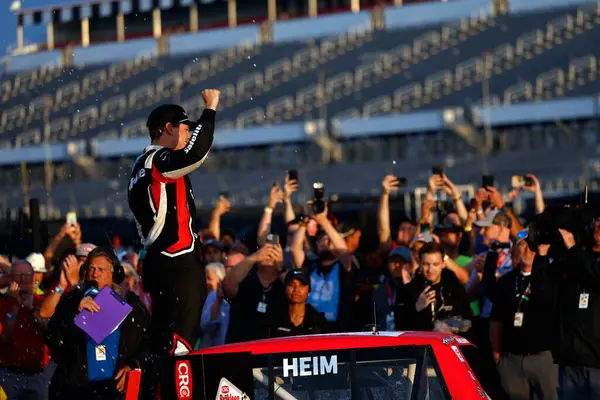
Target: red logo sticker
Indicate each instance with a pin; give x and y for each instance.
(183, 380)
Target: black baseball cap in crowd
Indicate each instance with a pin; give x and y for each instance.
(299, 275)
(166, 113)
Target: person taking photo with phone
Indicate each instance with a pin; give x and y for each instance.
(331, 274)
(254, 289)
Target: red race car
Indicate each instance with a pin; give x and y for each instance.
(368, 365)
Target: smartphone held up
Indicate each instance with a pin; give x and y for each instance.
(487, 181)
(273, 239)
(72, 220)
(518, 181)
(292, 175)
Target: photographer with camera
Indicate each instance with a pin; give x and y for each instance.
(570, 284)
(331, 275)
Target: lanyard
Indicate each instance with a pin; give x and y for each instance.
(524, 295)
(266, 290)
(391, 295)
(501, 258)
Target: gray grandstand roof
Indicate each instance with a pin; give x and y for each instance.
(98, 9)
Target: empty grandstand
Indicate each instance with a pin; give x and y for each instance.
(505, 86)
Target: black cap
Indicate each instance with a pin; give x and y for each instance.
(166, 113)
(299, 275)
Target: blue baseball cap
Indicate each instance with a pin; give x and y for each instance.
(522, 235)
(401, 252)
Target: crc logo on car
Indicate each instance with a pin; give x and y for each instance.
(183, 380)
(310, 366)
(228, 391)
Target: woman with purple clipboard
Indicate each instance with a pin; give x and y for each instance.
(94, 365)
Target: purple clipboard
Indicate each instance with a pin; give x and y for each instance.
(98, 325)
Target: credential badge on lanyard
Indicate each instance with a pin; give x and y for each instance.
(584, 299)
(262, 305)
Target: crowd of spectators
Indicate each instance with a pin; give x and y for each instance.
(463, 267)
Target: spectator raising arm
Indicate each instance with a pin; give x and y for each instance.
(297, 247)
(536, 189)
(264, 226)
(462, 274)
(584, 264)
(289, 188)
(451, 190)
(496, 200)
(231, 283)
(338, 242)
(214, 226)
(73, 231)
(69, 277)
(389, 185)
(426, 215)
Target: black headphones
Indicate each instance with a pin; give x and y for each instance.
(118, 275)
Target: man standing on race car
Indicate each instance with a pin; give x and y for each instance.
(161, 199)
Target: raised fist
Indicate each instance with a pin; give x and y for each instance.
(211, 98)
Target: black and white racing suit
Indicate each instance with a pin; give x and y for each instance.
(162, 201)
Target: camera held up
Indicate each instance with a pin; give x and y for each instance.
(319, 195)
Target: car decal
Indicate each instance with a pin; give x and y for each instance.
(183, 380)
(458, 353)
(228, 391)
(180, 346)
(310, 366)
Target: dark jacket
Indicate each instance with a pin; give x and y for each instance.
(510, 297)
(576, 331)
(280, 325)
(450, 294)
(67, 343)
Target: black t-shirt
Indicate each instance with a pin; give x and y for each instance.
(451, 301)
(512, 296)
(246, 322)
(280, 325)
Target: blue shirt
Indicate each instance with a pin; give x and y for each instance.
(325, 292)
(214, 332)
(102, 359)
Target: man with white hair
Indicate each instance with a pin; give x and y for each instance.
(215, 314)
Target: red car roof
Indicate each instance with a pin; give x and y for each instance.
(335, 341)
(459, 377)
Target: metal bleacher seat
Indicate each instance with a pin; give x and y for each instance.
(582, 70)
(527, 43)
